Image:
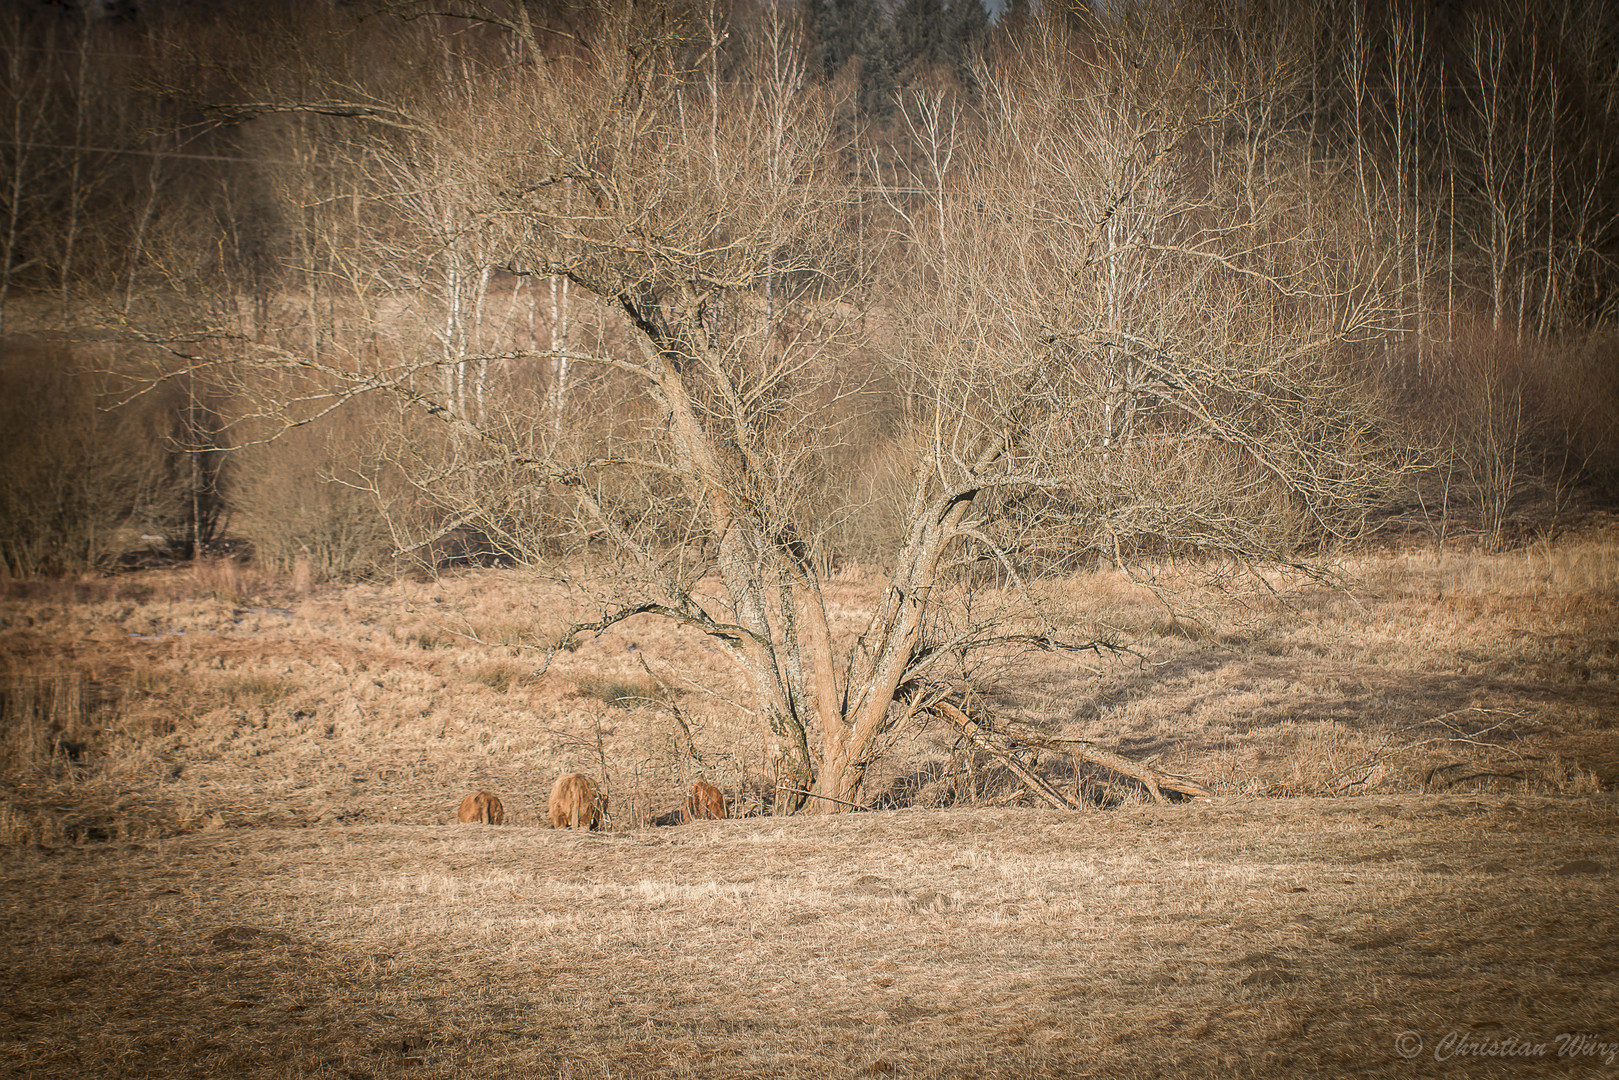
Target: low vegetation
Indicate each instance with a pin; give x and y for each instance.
(210, 771)
(160, 702)
(1277, 937)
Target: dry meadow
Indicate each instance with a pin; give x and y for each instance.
(229, 841)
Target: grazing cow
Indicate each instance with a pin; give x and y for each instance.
(482, 807)
(706, 802)
(575, 802)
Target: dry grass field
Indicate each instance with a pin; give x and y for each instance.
(1283, 937)
(229, 842)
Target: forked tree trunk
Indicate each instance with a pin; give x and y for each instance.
(884, 653)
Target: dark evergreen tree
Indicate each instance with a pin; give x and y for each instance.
(928, 35)
(966, 26)
(919, 34)
(856, 30)
(1015, 16)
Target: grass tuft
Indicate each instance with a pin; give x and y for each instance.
(256, 689)
(502, 677)
(619, 691)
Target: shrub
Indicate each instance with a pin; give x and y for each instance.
(1524, 421)
(621, 693)
(82, 482)
(301, 502)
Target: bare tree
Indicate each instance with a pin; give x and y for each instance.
(1110, 344)
(24, 93)
(1131, 345)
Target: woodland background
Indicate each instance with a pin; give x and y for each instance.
(148, 194)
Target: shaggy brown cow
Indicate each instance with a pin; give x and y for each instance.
(706, 801)
(575, 802)
(482, 807)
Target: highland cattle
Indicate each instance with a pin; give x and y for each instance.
(575, 802)
(483, 808)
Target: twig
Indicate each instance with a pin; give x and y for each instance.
(668, 701)
(811, 794)
(1365, 766)
(607, 777)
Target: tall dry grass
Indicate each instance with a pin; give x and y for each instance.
(220, 695)
(228, 805)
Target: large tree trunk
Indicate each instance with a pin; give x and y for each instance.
(883, 655)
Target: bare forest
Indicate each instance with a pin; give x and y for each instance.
(923, 407)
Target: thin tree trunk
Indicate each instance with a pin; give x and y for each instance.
(196, 469)
(559, 348)
(25, 121)
(481, 373)
(75, 196)
(138, 247)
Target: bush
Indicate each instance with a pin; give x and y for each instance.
(82, 482)
(1522, 423)
(300, 500)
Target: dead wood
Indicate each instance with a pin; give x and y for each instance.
(1000, 743)
(800, 791)
(999, 746)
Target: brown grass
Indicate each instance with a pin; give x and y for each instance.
(1466, 673)
(1279, 937)
(185, 754)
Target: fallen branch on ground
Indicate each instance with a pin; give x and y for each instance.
(984, 738)
(983, 733)
(811, 794)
